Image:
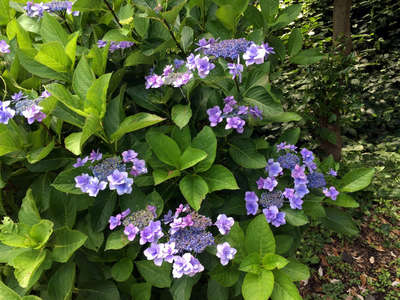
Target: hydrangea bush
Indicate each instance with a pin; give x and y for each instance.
(136, 156)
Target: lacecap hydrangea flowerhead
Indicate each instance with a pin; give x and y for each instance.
(112, 172)
(301, 169)
(177, 238)
(36, 10)
(114, 46)
(22, 105)
(203, 61)
(234, 114)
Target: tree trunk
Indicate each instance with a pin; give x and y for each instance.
(341, 40)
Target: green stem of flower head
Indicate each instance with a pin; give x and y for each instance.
(238, 88)
(113, 13)
(203, 13)
(172, 35)
(5, 88)
(65, 21)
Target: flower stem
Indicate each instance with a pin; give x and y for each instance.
(172, 35)
(113, 13)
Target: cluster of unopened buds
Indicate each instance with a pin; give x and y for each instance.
(186, 236)
(110, 171)
(114, 46)
(303, 172)
(233, 113)
(36, 10)
(22, 105)
(181, 72)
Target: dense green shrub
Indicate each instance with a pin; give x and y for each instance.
(106, 81)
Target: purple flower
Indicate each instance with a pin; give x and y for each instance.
(331, 192)
(168, 70)
(256, 112)
(274, 217)
(180, 223)
(6, 113)
(288, 161)
(131, 231)
(178, 63)
(332, 172)
(80, 162)
(296, 202)
(82, 182)
(298, 175)
(168, 217)
(204, 44)
(228, 49)
(236, 70)
(230, 103)
(114, 46)
(151, 233)
(224, 224)
(243, 110)
(154, 81)
(34, 9)
(225, 253)
(254, 55)
(129, 156)
(203, 66)
(125, 44)
(281, 146)
(214, 116)
(307, 155)
(154, 253)
(95, 155)
(268, 49)
(168, 250)
(251, 203)
(273, 168)
(316, 180)
(4, 47)
(186, 265)
(18, 96)
(138, 168)
(101, 43)
(115, 221)
(45, 94)
(95, 186)
(235, 123)
(121, 182)
(301, 190)
(182, 79)
(33, 113)
(268, 183)
(191, 62)
(125, 213)
(288, 193)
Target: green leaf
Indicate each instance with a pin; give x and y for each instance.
(37, 155)
(296, 271)
(251, 264)
(102, 209)
(62, 209)
(53, 56)
(181, 288)
(235, 238)
(243, 152)
(95, 239)
(307, 57)
(75, 141)
(181, 115)
(290, 136)
(28, 213)
(219, 178)
(98, 289)
(270, 106)
(259, 237)
(171, 15)
(283, 243)
(187, 34)
(23, 38)
(194, 189)
(41, 232)
(295, 217)
(227, 15)
(88, 5)
(343, 200)
(62, 282)
(7, 293)
(141, 291)
(339, 221)
(284, 288)
(225, 276)
(258, 287)
(272, 261)
(215, 291)
(135, 122)
(96, 97)
(122, 269)
(161, 175)
(295, 42)
(165, 148)
(63, 95)
(52, 31)
(356, 180)
(138, 58)
(158, 276)
(66, 242)
(269, 9)
(83, 78)
(191, 157)
(70, 47)
(206, 141)
(27, 265)
(116, 240)
(5, 16)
